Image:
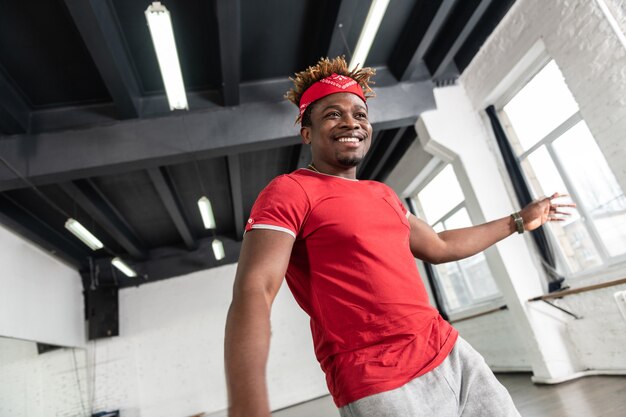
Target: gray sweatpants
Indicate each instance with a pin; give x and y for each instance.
(463, 385)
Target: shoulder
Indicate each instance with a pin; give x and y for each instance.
(285, 183)
(283, 190)
(380, 188)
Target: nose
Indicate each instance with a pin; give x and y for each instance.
(350, 122)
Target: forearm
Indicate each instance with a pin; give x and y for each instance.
(462, 243)
(245, 351)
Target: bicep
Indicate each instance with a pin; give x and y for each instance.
(425, 243)
(263, 262)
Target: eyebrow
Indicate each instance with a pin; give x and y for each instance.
(336, 106)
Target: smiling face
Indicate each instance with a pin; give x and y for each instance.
(340, 133)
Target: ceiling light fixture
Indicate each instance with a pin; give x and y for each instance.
(206, 211)
(370, 28)
(83, 234)
(122, 266)
(218, 249)
(160, 25)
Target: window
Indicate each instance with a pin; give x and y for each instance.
(466, 283)
(557, 152)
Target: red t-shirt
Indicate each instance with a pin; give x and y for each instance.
(352, 271)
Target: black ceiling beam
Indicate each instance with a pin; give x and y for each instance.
(398, 152)
(89, 200)
(405, 66)
(167, 192)
(343, 25)
(115, 212)
(99, 27)
(260, 91)
(50, 239)
(229, 27)
(388, 149)
(167, 263)
(236, 194)
(375, 152)
(444, 67)
(140, 144)
(61, 118)
(14, 111)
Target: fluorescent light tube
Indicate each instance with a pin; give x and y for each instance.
(122, 266)
(218, 249)
(206, 211)
(83, 234)
(162, 34)
(370, 28)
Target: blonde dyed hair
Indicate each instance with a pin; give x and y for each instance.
(326, 67)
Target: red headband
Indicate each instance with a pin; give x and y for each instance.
(330, 85)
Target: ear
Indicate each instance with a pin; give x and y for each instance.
(305, 133)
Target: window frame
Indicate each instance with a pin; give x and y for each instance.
(548, 141)
(486, 303)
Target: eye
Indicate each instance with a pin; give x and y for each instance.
(333, 114)
(361, 115)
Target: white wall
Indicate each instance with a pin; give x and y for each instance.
(587, 51)
(464, 144)
(40, 297)
(496, 337)
(168, 359)
(593, 61)
(33, 385)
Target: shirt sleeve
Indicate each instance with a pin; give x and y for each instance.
(282, 206)
(399, 202)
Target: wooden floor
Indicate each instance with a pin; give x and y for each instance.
(596, 396)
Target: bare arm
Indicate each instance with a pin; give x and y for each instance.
(452, 245)
(262, 265)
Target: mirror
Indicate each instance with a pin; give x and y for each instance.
(38, 379)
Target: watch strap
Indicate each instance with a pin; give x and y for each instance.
(519, 222)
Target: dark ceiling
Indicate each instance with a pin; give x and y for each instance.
(86, 131)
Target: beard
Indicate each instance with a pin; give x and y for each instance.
(350, 162)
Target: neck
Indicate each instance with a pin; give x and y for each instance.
(322, 168)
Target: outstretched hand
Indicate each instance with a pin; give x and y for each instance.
(537, 213)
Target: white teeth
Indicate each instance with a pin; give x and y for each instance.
(354, 140)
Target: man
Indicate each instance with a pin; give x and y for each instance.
(346, 248)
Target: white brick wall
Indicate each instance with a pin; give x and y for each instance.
(593, 61)
(585, 48)
(618, 9)
(464, 144)
(40, 385)
(168, 360)
(502, 346)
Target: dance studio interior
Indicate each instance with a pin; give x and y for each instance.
(135, 137)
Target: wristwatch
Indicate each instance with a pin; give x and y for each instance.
(519, 222)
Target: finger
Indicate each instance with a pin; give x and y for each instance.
(554, 207)
(557, 195)
(556, 219)
(563, 205)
